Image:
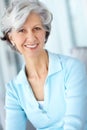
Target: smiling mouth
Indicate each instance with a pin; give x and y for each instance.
(31, 46)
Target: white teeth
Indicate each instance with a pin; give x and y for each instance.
(31, 46)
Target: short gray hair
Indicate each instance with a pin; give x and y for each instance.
(17, 13)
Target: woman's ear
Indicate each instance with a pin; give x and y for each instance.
(11, 38)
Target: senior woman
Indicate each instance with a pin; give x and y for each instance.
(51, 89)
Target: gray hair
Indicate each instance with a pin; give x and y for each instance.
(17, 13)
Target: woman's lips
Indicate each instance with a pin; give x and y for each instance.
(31, 46)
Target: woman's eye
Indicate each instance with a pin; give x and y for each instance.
(21, 30)
(37, 28)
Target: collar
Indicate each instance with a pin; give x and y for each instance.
(54, 63)
(54, 67)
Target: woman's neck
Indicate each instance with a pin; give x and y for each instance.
(38, 66)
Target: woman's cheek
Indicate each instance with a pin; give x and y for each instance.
(42, 37)
(19, 40)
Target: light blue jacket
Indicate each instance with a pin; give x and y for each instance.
(65, 98)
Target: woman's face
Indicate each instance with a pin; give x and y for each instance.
(30, 38)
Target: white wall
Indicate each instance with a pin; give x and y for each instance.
(79, 20)
(69, 27)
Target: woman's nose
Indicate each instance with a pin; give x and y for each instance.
(31, 36)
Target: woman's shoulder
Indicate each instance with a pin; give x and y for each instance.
(64, 58)
(67, 61)
(17, 80)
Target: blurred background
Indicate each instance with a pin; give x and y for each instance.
(69, 30)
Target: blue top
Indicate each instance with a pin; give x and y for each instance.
(65, 98)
